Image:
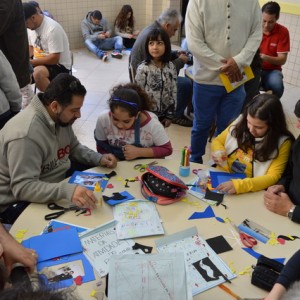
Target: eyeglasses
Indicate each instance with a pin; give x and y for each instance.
(126, 102)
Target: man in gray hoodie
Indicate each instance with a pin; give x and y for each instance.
(38, 146)
(97, 36)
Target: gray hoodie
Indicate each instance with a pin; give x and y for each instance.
(10, 96)
(35, 154)
(91, 31)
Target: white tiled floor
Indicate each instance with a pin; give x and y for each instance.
(99, 77)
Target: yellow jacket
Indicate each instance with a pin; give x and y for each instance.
(238, 157)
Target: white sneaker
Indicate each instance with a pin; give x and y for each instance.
(27, 95)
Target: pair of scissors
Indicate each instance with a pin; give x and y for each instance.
(60, 210)
(247, 240)
(143, 167)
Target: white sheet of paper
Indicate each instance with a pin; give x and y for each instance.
(148, 277)
(205, 268)
(137, 218)
(101, 243)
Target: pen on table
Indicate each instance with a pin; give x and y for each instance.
(229, 291)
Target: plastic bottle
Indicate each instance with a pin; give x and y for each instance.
(98, 194)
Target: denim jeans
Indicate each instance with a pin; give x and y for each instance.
(99, 45)
(212, 102)
(184, 94)
(272, 80)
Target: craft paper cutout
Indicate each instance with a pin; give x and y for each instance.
(257, 255)
(148, 277)
(145, 249)
(207, 213)
(204, 267)
(137, 218)
(118, 198)
(55, 225)
(220, 177)
(87, 276)
(214, 196)
(89, 180)
(219, 244)
(52, 245)
(101, 243)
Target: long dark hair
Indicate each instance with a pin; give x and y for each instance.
(131, 97)
(122, 21)
(154, 35)
(267, 108)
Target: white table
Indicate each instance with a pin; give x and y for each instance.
(175, 218)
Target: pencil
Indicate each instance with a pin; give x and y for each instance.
(229, 291)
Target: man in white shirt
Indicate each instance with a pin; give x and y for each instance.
(223, 37)
(49, 46)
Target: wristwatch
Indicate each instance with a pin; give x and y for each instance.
(291, 211)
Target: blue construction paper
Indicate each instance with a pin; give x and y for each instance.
(57, 226)
(88, 269)
(257, 255)
(207, 213)
(115, 202)
(220, 177)
(55, 244)
(89, 183)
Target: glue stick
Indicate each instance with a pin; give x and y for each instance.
(98, 193)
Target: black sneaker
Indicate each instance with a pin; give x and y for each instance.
(116, 54)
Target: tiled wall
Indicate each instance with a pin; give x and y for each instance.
(291, 69)
(69, 13)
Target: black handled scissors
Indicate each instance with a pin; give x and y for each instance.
(60, 210)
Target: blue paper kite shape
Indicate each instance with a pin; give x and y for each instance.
(257, 255)
(220, 177)
(55, 225)
(207, 213)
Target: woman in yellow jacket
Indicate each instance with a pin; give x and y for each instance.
(257, 144)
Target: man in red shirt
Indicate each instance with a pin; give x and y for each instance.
(274, 49)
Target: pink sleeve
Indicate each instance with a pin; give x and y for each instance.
(163, 150)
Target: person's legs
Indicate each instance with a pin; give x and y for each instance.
(184, 96)
(252, 86)
(229, 107)
(41, 77)
(205, 101)
(273, 80)
(94, 46)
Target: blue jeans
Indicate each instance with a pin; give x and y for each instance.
(184, 94)
(99, 45)
(272, 80)
(212, 102)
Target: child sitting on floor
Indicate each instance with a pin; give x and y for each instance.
(129, 130)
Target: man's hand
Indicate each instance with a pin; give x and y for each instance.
(278, 203)
(108, 160)
(107, 34)
(131, 152)
(231, 69)
(226, 188)
(83, 197)
(276, 189)
(13, 252)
